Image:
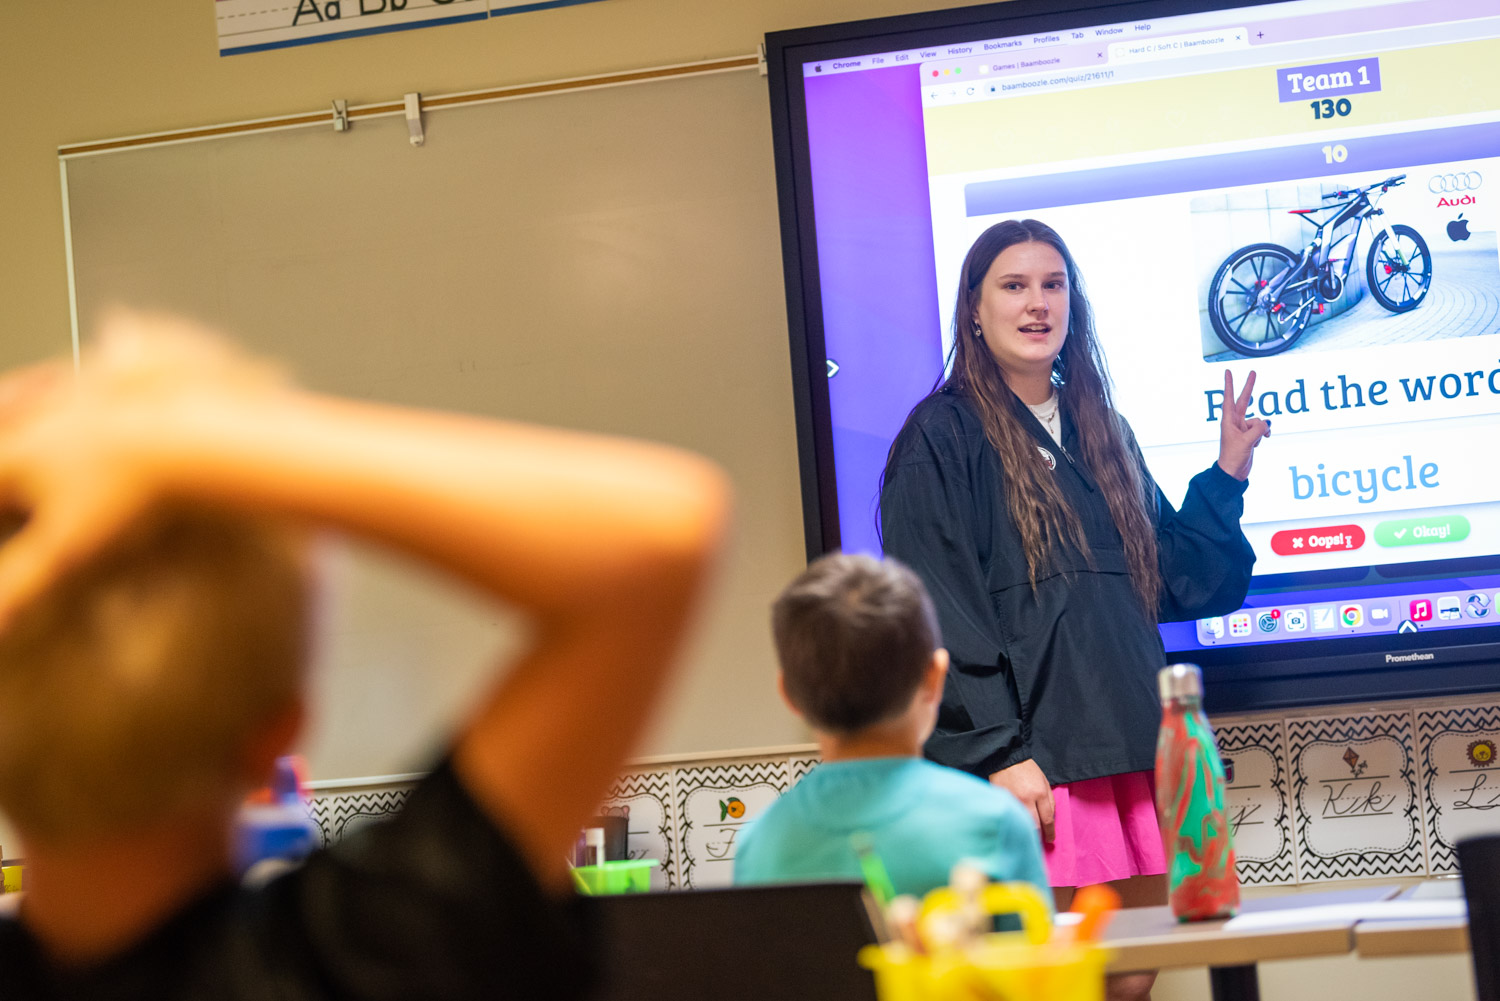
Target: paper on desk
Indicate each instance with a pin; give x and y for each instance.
(1374, 910)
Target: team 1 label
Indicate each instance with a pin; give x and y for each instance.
(1328, 82)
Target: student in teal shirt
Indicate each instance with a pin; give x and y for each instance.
(862, 664)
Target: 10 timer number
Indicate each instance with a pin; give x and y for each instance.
(1328, 108)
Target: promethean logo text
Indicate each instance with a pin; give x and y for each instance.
(1406, 658)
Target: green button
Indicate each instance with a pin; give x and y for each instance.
(1422, 531)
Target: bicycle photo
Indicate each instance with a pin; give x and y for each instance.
(1336, 269)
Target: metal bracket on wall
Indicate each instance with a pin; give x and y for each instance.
(761, 63)
(414, 119)
(340, 116)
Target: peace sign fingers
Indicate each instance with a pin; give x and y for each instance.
(1238, 435)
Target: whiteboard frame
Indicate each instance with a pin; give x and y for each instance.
(386, 109)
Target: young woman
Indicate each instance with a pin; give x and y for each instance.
(1021, 499)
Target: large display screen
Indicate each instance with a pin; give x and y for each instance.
(1302, 189)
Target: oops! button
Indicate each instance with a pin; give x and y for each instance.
(1328, 539)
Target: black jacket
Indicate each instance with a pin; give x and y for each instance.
(1066, 675)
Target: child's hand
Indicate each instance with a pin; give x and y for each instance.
(75, 465)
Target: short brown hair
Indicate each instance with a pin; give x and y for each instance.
(131, 687)
(854, 636)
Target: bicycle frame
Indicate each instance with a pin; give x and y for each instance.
(1308, 272)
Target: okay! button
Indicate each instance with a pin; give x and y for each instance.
(1422, 531)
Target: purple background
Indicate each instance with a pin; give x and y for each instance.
(875, 265)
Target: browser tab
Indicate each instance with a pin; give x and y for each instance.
(1176, 46)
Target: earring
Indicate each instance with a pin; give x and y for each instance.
(978, 331)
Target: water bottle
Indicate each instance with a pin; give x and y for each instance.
(1190, 802)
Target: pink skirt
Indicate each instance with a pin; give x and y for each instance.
(1105, 829)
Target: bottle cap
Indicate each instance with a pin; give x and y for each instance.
(1180, 681)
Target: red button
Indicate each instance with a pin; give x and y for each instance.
(1328, 539)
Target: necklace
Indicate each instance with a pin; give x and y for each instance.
(1048, 414)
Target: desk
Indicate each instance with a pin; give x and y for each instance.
(1417, 936)
(1148, 938)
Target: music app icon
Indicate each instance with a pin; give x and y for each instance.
(1421, 610)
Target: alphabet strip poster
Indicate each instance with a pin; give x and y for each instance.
(1355, 799)
(1259, 800)
(1457, 748)
(258, 25)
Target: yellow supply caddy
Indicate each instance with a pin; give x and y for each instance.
(1026, 965)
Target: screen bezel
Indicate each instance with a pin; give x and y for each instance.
(1238, 679)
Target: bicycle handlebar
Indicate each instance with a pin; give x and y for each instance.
(1394, 181)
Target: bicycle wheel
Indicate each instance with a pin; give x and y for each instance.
(1247, 320)
(1399, 271)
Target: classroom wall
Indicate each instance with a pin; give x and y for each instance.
(92, 70)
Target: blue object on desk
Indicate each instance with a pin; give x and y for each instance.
(275, 824)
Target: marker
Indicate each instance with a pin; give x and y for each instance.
(876, 877)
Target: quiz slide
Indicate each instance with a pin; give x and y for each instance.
(1326, 221)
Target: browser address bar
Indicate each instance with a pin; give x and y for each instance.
(1176, 46)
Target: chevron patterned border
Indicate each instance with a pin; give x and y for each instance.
(1409, 860)
(341, 813)
(727, 778)
(1431, 725)
(799, 767)
(338, 812)
(1268, 736)
(656, 784)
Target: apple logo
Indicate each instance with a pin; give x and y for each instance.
(1458, 229)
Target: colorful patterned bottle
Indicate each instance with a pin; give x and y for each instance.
(1190, 802)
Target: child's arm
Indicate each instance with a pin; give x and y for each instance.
(605, 543)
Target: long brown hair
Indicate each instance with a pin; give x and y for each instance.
(1037, 507)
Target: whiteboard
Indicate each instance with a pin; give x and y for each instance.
(604, 259)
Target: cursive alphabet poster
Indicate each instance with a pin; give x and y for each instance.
(1258, 796)
(1354, 796)
(646, 798)
(713, 804)
(1460, 778)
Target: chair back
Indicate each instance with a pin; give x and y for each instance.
(1479, 865)
(783, 941)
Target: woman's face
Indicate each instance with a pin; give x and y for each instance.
(1023, 309)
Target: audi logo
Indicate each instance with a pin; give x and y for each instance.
(1442, 184)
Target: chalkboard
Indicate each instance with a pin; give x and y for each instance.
(604, 259)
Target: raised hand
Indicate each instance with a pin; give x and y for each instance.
(73, 470)
(1239, 436)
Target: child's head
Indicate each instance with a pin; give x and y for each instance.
(148, 680)
(856, 638)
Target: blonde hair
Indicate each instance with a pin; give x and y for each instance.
(132, 687)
